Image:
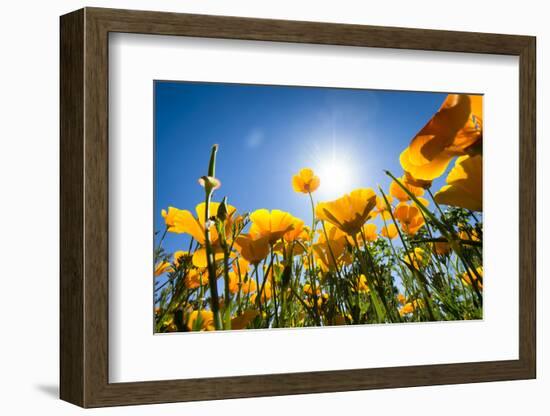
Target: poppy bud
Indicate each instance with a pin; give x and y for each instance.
(222, 210)
(209, 183)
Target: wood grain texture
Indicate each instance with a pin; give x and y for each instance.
(71, 213)
(527, 208)
(84, 207)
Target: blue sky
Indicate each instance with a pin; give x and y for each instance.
(267, 133)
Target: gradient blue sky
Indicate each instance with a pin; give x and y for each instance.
(267, 133)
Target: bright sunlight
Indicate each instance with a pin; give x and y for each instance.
(337, 173)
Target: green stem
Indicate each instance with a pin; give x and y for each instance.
(379, 286)
(212, 278)
(436, 204)
(227, 294)
(415, 272)
(274, 291)
(373, 295)
(313, 222)
(260, 292)
(442, 228)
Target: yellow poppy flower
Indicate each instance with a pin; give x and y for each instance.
(399, 193)
(455, 130)
(206, 320)
(297, 231)
(235, 283)
(195, 278)
(305, 235)
(300, 232)
(185, 222)
(330, 232)
(162, 267)
(410, 307)
(370, 232)
(325, 251)
(410, 217)
(253, 248)
(283, 248)
(273, 225)
(266, 294)
(349, 212)
(467, 281)
(401, 299)
(406, 309)
(199, 256)
(418, 257)
(409, 180)
(241, 266)
(427, 171)
(389, 231)
(242, 321)
(172, 219)
(305, 181)
(249, 286)
(464, 185)
(362, 284)
(180, 256)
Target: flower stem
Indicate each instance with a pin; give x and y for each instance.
(313, 222)
(212, 278)
(227, 293)
(416, 273)
(374, 297)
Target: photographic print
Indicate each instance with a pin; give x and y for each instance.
(291, 207)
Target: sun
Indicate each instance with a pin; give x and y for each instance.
(336, 173)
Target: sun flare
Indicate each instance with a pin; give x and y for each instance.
(337, 175)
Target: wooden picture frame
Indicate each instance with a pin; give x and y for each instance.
(84, 207)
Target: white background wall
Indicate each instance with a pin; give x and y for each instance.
(29, 160)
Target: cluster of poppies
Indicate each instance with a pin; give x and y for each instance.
(366, 257)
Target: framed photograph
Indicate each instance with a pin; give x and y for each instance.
(260, 207)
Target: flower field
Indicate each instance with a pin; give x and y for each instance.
(408, 253)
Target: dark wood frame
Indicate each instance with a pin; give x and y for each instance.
(84, 207)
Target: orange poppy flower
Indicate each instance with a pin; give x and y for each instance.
(455, 130)
(464, 185)
(273, 225)
(349, 212)
(305, 181)
(399, 193)
(205, 318)
(253, 248)
(410, 218)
